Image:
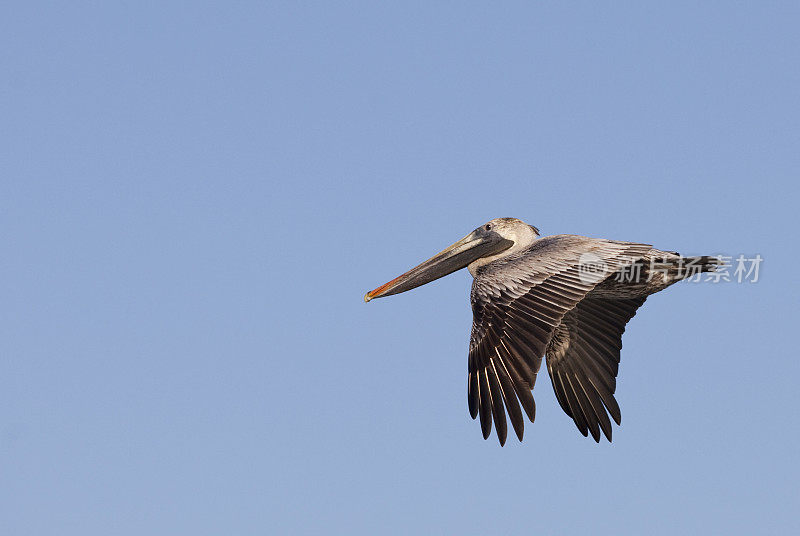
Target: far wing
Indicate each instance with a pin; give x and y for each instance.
(583, 360)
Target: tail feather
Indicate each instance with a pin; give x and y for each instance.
(687, 267)
(674, 267)
(704, 263)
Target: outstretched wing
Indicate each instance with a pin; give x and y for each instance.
(583, 360)
(517, 303)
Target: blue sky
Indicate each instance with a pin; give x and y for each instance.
(194, 198)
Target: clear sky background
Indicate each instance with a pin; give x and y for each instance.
(195, 196)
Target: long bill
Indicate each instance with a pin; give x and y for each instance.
(470, 248)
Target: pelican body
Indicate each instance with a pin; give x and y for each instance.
(565, 296)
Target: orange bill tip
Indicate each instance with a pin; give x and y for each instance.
(378, 292)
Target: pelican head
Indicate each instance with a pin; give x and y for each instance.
(496, 238)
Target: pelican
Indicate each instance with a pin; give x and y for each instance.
(564, 296)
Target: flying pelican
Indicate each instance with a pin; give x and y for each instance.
(564, 296)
